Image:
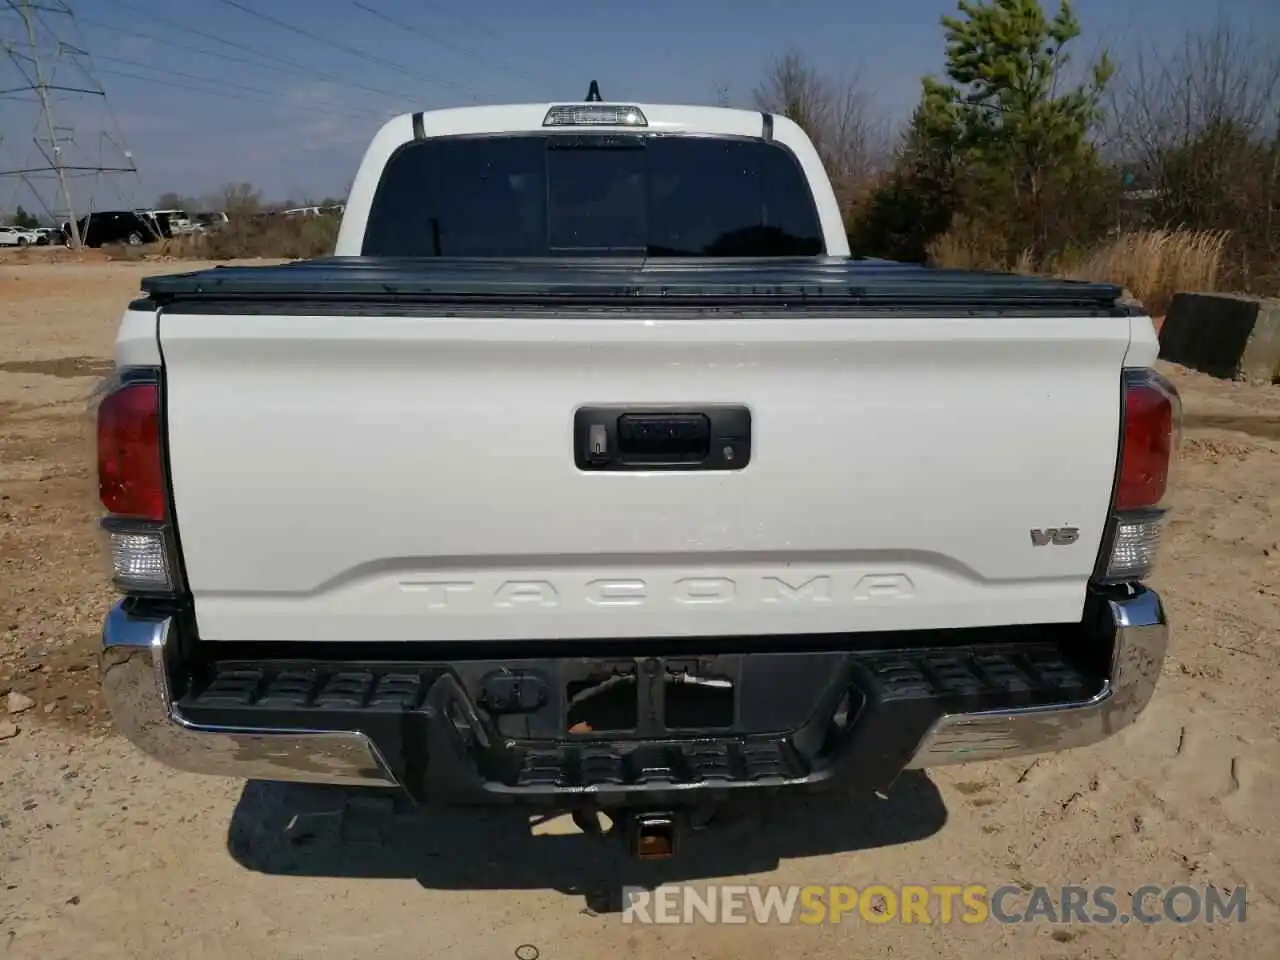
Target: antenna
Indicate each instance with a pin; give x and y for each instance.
(35, 61)
(593, 94)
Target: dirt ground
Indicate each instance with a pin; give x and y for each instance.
(103, 853)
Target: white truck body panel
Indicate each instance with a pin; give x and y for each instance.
(409, 475)
(412, 478)
(137, 344)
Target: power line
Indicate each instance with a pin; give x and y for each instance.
(57, 145)
(224, 83)
(178, 44)
(46, 112)
(353, 51)
(474, 24)
(409, 28)
(286, 61)
(462, 19)
(217, 90)
(169, 42)
(118, 141)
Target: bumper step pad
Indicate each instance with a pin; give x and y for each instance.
(694, 762)
(429, 722)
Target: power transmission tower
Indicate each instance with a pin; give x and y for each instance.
(39, 56)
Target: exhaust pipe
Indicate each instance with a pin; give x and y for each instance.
(652, 836)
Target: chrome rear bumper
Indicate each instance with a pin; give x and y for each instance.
(1141, 638)
(136, 664)
(135, 679)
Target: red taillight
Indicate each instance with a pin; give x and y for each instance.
(130, 466)
(1151, 415)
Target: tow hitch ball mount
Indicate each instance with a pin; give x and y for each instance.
(652, 836)
(648, 834)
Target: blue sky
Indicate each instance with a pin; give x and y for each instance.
(201, 110)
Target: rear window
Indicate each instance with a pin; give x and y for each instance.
(571, 195)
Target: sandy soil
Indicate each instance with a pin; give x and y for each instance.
(103, 853)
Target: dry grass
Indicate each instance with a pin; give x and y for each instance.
(277, 237)
(965, 247)
(1152, 264)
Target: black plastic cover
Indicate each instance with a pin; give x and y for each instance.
(346, 284)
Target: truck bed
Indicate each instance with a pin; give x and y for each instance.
(391, 450)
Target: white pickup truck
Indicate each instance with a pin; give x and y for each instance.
(593, 473)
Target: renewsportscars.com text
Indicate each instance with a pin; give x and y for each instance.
(933, 904)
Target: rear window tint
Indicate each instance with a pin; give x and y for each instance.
(572, 195)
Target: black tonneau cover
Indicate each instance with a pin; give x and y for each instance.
(787, 283)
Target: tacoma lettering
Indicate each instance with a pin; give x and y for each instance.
(814, 590)
(767, 591)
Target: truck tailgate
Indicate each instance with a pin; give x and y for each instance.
(411, 476)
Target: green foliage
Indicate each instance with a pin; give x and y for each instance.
(1006, 62)
(918, 200)
(23, 219)
(1003, 139)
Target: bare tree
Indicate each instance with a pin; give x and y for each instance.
(1201, 124)
(1216, 76)
(240, 200)
(839, 116)
(172, 200)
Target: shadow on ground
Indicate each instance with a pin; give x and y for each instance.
(300, 830)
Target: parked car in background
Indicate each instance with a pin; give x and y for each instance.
(17, 237)
(330, 210)
(214, 220)
(115, 226)
(172, 223)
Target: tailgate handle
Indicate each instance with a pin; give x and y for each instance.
(716, 437)
(674, 436)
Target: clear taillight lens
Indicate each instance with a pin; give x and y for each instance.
(139, 558)
(1134, 545)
